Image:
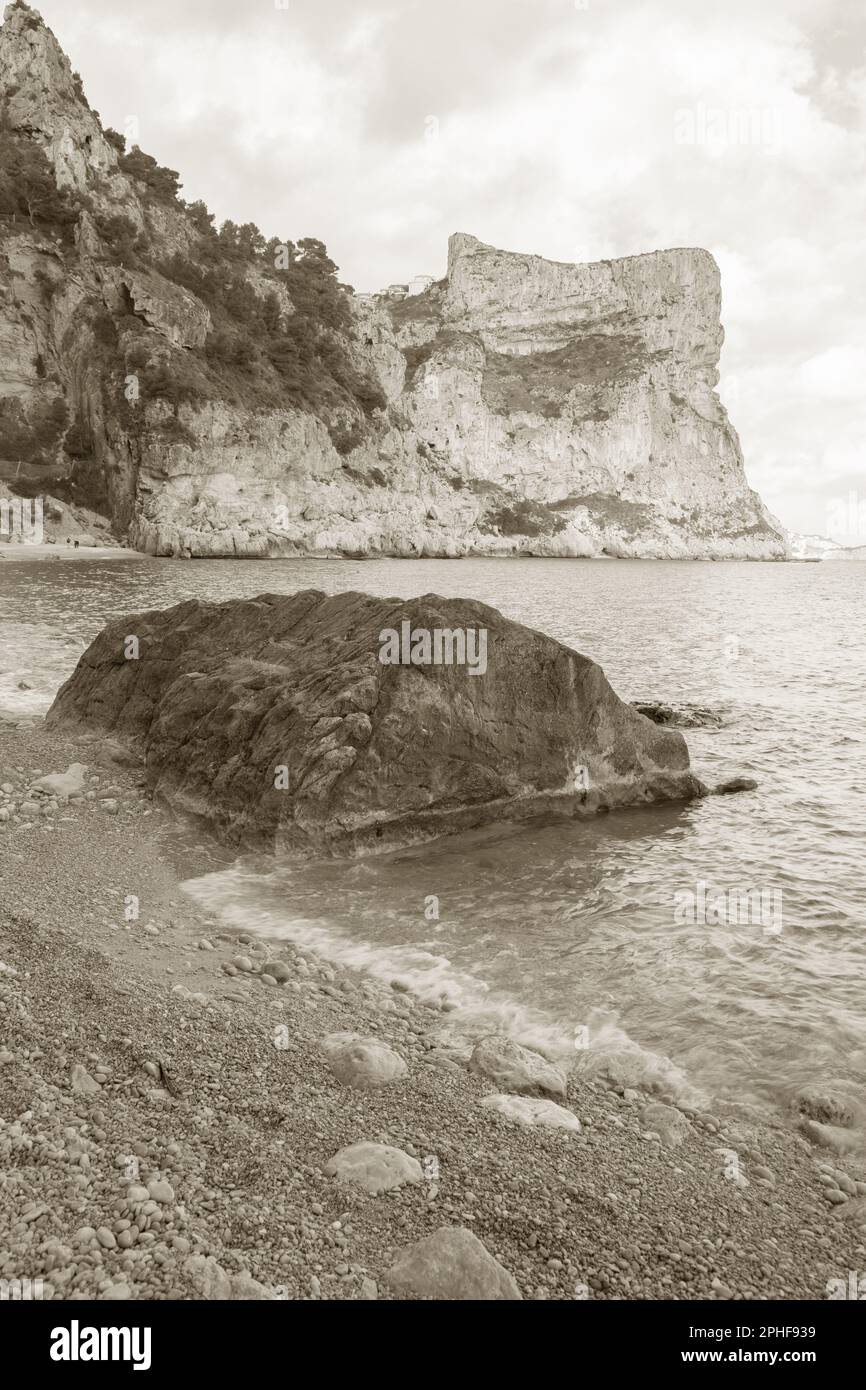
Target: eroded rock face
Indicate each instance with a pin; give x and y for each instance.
(171, 309)
(533, 407)
(276, 720)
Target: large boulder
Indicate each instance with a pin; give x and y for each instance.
(278, 720)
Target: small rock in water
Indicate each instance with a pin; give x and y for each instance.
(735, 784)
(833, 1137)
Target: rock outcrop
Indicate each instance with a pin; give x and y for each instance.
(279, 720)
(516, 406)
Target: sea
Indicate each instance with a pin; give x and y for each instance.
(715, 950)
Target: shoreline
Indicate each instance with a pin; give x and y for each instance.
(26, 552)
(193, 1163)
(46, 551)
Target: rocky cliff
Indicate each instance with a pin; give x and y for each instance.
(216, 394)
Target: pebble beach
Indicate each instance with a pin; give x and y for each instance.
(189, 1113)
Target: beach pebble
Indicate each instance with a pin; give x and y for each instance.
(208, 1278)
(244, 1286)
(242, 963)
(63, 784)
(117, 1293)
(365, 1063)
(833, 1137)
(83, 1083)
(160, 1191)
(669, 1124)
(516, 1069)
(278, 970)
(526, 1110)
(106, 1238)
(451, 1264)
(373, 1167)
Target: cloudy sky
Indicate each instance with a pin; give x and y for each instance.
(577, 129)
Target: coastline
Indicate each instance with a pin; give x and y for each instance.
(235, 1147)
(46, 551)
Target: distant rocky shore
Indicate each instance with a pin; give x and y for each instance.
(188, 1112)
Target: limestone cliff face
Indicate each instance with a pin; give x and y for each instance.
(529, 406)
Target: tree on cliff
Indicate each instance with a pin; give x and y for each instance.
(163, 183)
(27, 187)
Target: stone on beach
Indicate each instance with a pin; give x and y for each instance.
(374, 1167)
(83, 1083)
(278, 970)
(451, 1264)
(277, 720)
(525, 1110)
(63, 784)
(668, 1123)
(516, 1069)
(833, 1137)
(365, 1063)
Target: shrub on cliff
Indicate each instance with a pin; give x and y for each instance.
(261, 355)
(161, 182)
